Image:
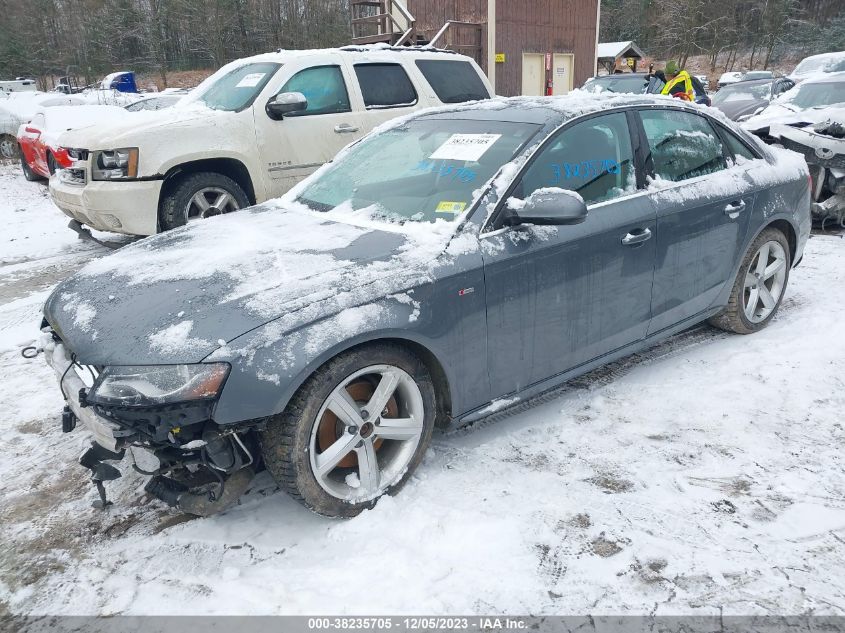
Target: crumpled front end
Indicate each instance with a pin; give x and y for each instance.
(168, 434)
(823, 147)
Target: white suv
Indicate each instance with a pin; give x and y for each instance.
(249, 133)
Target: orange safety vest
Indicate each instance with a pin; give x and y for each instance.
(688, 94)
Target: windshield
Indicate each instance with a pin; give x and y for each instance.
(628, 84)
(815, 95)
(820, 64)
(237, 89)
(743, 92)
(424, 170)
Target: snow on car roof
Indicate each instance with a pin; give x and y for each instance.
(550, 109)
(822, 78)
(378, 50)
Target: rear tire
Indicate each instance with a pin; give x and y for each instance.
(760, 285)
(30, 175)
(185, 199)
(294, 441)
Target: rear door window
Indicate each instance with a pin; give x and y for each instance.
(385, 86)
(739, 149)
(453, 81)
(683, 145)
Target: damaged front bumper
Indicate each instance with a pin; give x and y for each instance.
(823, 147)
(194, 464)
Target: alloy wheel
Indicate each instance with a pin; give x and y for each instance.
(366, 433)
(765, 280)
(8, 148)
(210, 201)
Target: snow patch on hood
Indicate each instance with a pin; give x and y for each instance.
(176, 338)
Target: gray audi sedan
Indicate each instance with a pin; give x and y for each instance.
(446, 266)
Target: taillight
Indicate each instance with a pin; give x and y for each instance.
(31, 130)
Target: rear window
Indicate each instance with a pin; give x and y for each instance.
(453, 81)
(385, 86)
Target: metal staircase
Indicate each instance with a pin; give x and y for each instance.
(387, 21)
(390, 22)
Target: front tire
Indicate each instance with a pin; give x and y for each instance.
(30, 175)
(198, 196)
(760, 285)
(334, 455)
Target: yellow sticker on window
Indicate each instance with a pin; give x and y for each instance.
(451, 207)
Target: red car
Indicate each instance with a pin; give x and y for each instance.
(41, 153)
(39, 159)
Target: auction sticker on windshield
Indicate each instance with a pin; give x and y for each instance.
(451, 207)
(469, 147)
(251, 80)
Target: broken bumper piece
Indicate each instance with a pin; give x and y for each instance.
(194, 466)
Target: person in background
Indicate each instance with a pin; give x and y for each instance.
(679, 83)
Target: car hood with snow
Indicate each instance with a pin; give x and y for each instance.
(741, 107)
(133, 131)
(779, 114)
(203, 285)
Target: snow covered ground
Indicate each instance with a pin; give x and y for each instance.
(704, 475)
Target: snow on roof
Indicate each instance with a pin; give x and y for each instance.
(379, 49)
(613, 50)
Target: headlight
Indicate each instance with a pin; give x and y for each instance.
(77, 153)
(115, 164)
(151, 385)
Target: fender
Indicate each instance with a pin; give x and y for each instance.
(283, 360)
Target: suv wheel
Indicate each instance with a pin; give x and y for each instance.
(760, 285)
(354, 431)
(198, 196)
(8, 147)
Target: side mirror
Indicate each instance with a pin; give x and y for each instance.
(547, 207)
(285, 103)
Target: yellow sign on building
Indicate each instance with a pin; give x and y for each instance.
(500, 58)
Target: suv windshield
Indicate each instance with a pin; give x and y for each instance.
(424, 170)
(815, 95)
(238, 88)
(628, 84)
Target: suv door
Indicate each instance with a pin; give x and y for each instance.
(560, 296)
(296, 146)
(702, 211)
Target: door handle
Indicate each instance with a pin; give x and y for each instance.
(734, 209)
(345, 128)
(637, 237)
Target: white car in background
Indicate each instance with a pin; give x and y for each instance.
(824, 63)
(729, 78)
(19, 108)
(808, 102)
(249, 133)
